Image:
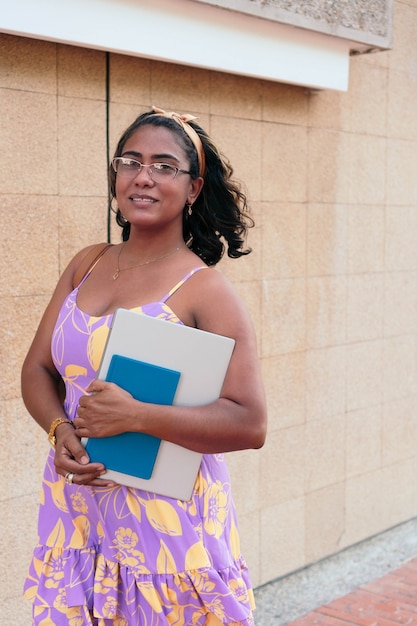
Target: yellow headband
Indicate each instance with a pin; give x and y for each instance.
(183, 120)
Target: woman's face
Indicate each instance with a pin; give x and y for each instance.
(150, 204)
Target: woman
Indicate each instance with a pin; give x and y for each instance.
(108, 554)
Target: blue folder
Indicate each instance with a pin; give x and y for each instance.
(134, 453)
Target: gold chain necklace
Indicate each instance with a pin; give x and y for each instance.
(158, 258)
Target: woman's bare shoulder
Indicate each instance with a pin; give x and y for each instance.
(84, 259)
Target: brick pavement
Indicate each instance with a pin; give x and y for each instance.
(387, 601)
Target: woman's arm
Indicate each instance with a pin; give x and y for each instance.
(41, 382)
(236, 421)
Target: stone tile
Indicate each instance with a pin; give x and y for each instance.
(325, 382)
(250, 539)
(16, 334)
(250, 293)
(325, 441)
(365, 307)
(403, 56)
(400, 303)
(121, 117)
(28, 128)
(18, 539)
(180, 88)
(325, 109)
(86, 219)
(402, 119)
(364, 106)
(130, 81)
(81, 72)
(366, 496)
(365, 506)
(399, 430)
(246, 493)
(399, 367)
(287, 104)
(82, 147)
(327, 239)
(29, 443)
(401, 183)
(282, 538)
(34, 262)
(284, 461)
(400, 238)
(284, 316)
(364, 374)
(363, 440)
(324, 166)
(284, 167)
(362, 167)
(241, 142)
(283, 234)
(247, 267)
(284, 378)
(365, 239)
(236, 96)
(326, 311)
(338, 158)
(27, 64)
(324, 521)
(361, 109)
(373, 58)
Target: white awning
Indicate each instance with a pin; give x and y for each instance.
(189, 33)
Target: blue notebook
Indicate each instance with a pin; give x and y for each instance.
(134, 453)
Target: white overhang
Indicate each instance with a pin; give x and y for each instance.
(188, 33)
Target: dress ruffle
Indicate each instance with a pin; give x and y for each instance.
(65, 578)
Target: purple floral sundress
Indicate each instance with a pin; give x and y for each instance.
(126, 557)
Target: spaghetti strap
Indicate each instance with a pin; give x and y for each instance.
(181, 282)
(93, 264)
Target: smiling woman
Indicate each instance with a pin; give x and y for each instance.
(109, 554)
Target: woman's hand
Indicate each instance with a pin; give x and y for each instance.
(105, 411)
(72, 461)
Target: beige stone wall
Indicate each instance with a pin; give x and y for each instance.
(331, 284)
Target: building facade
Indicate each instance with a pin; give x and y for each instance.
(331, 283)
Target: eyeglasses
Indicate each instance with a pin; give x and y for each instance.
(158, 172)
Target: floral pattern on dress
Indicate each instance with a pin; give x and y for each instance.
(119, 556)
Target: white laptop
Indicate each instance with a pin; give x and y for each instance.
(202, 360)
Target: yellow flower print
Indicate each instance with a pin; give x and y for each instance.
(75, 617)
(126, 538)
(77, 620)
(110, 608)
(53, 572)
(60, 602)
(202, 583)
(106, 576)
(239, 590)
(78, 503)
(217, 608)
(126, 541)
(215, 509)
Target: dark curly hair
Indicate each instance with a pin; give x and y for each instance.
(219, 215)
